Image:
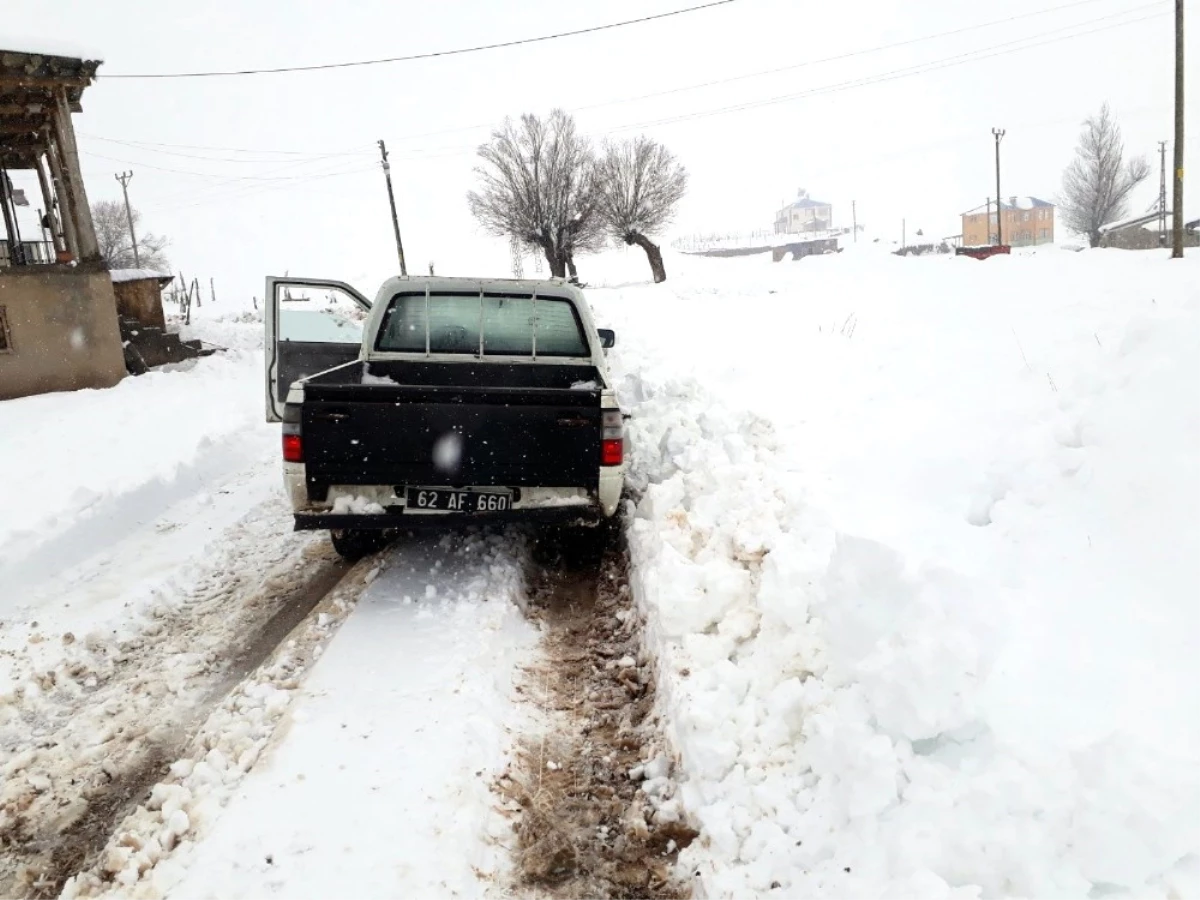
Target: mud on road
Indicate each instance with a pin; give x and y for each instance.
(587, 824)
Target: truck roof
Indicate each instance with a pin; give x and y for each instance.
(557, 287)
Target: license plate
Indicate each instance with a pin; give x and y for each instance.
(464, 500)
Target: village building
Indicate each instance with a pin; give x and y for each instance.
(58, 312)
(1024, 221)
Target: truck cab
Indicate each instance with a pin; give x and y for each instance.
(443, 400)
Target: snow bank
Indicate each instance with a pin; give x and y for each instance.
(73, 453)
(916, 545)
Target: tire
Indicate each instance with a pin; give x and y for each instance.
(353, 544)
(574, 547)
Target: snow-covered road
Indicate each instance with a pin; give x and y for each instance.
(380, 783)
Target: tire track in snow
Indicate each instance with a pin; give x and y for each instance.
(381, 758)
(222, 747)
(80, 741)
(598, 817)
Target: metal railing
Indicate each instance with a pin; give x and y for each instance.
(26, 253)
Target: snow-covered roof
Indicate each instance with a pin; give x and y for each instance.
(121, 275)
(806, 203)
(1012, 203)
(1026, 203)
(47, 46)
(1131, 222)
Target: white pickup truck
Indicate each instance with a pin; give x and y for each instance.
(444, 400)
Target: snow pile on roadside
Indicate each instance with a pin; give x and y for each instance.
(859, 713)
(824, 699)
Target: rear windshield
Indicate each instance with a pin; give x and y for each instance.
(510, 325)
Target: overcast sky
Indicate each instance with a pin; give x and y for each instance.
(915, 147)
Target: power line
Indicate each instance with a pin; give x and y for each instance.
(189, 172)
(431, 55)
(434, 153)
(357, 149)
(995, 50)
(249, 190)
(229, 186)
(681, 89)
(152, 148)
(807, 63)
(851, 55)
(920, 69)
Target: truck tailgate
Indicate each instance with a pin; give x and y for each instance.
(390, 434)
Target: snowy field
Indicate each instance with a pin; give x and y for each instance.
(917, 542)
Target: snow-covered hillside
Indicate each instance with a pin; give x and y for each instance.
(919, 544)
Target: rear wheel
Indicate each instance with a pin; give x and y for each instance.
(355, 543)
(575, 546)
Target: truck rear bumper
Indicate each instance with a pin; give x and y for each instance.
(555, 515)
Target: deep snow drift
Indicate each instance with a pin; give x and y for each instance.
(919, 545)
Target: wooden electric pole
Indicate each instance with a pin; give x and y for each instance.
(1177, 200)
(854, 215)
(125, 178)
(998, 133)
(387, 174)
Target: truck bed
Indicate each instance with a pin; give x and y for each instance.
(491, 424)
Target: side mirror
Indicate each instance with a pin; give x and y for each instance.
(608, 338)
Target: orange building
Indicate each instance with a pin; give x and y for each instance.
(1026, 221)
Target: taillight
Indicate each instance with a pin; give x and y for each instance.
(293, 448)
(612, 438)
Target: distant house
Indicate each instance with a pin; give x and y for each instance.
(803, 214)
(1026, 221)
(1141, 233)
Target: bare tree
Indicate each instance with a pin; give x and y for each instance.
(1098, 182)
(538, 185)
(640, 184)
(116, 247)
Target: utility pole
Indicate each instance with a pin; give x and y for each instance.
(903, 234)
(125, 178)
(387, 174)
(1177, 200)
(854, 215)
(1162, 194)
(998, 133)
